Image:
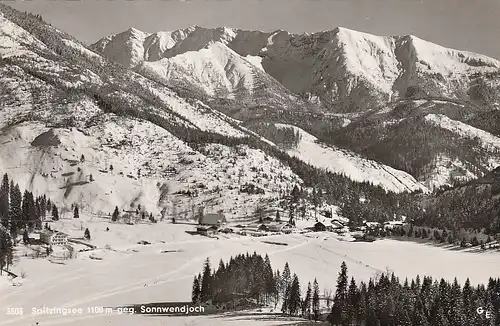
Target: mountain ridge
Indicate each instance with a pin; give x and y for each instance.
(336, 78)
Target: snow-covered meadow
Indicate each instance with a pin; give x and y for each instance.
(130, 273)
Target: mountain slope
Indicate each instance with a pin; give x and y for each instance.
(67, 115)
(355, 167)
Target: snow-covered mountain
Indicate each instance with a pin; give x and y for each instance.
(341, 78)
(84, 130)
(216, 69)
(339, 70)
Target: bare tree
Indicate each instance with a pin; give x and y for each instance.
(327, 294)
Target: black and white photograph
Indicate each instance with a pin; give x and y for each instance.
(250, 162)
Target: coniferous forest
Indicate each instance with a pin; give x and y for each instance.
(19, 211)
(248, 281)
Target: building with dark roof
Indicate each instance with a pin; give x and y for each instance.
(212, 219)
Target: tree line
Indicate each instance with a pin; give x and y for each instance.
(386, 300)
(249, 281)
(23, 210)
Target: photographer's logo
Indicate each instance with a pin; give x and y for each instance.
(484, 312)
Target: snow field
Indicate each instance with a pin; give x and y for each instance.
(130, 273)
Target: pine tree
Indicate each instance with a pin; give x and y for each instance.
(25, 209)
(294, 298)
(87, 234)
(43, 206)
(38, 223)
(286, 281)
(278, 218)
(467, 297)
(115, 215)
(206, 282)
(32, 212)
(6, 245)
(195, 293)
(315, 300)
(277, 290)
(4, 201)
(270, 285)
(285, 307)
(353, 300)
(338, 315)
(306, 309)
(315, 203)
(15, 211)
(49, 205)
(76, 213)
(55, 213)
(294, 199)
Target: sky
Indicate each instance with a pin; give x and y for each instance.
(472, 25)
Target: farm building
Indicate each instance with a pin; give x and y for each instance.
(280, 227)
(54, 238)
(207, 230)
(371, 225)
(212, 219)
(327, 225)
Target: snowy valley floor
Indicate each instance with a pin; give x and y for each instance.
(129, 273)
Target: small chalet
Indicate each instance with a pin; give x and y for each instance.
(319, 226)
(207, 230)
(54, 238)
(212, 219)
(280, 227)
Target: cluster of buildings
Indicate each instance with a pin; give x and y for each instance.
(50, 238)
(211, 224)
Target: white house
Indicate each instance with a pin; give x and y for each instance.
(389, 225)
(54, 238)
